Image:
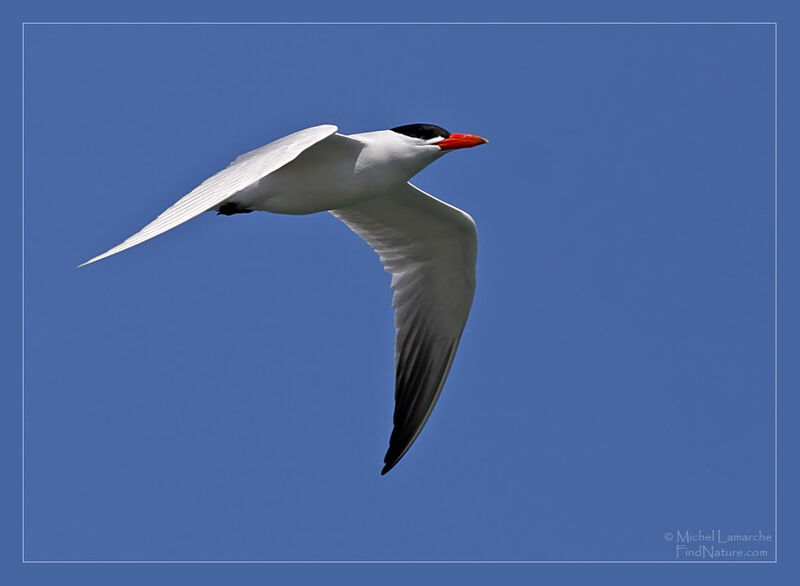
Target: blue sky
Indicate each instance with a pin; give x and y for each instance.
(225, 391)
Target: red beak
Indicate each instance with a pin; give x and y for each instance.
(460, 141)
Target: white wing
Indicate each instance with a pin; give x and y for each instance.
(430, 248)
(244, 171)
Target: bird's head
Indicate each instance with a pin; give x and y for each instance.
(399, 153)
(432, 135)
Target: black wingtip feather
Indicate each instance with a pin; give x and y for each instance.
(389, 464)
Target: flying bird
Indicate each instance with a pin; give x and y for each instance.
(427, 246)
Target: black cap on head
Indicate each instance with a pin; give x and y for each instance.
(423, 131)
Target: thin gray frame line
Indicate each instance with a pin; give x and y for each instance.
(775, 304)
(430, 562)
(775, 272)
(423, 23)
(22, 292)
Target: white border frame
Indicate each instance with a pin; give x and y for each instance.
(423, 23)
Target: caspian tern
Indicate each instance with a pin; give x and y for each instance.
(428, 246)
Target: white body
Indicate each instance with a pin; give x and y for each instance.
(337, 172)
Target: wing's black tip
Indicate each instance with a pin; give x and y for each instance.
(390, 460)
